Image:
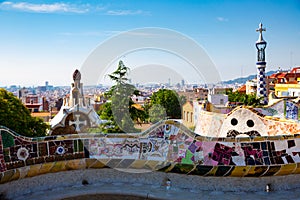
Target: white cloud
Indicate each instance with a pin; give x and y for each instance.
(58, 7)
(222, 19)
(126, 12)
(44, 8)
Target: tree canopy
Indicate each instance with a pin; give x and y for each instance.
(119, 110)
(246, 99)
(14, 115)
(169, 100)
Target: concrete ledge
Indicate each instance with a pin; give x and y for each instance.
(110, 181)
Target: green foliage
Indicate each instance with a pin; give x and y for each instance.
(110, 127)
(119, 76)
(105, 112)
(182, 100)
(169, 100)
(246, 99)
(120, 105)
(138, 115)
(120, 110)
(14, 115)
(157, 113)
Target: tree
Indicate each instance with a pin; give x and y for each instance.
(120, 110)
(246, 99)
(157, 113)
(119, 76)
(14, 115)
(169, 100)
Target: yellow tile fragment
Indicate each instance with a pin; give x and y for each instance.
(46, 167)
(34, 170)
(212, 172)
(94, 163)
(297, 169)
(138, 164)
(286, 169)
(16, 175)
(75, 164)
(240, 171)
(7, 175)
(152, 164)
(58, 166)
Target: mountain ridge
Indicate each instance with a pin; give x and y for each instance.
(243, 80)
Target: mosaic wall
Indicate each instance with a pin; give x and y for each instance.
(291, 110)
(245, 121)
(281, 109)
(20, 151)
(168, 147)
(275, 110)
(209, 124)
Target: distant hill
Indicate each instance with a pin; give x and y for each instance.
(244, 79)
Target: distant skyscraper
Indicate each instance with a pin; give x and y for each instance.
(261, 66)
(182, 82)
(46, 85)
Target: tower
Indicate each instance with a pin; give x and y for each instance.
(261, 66)
(76, 95)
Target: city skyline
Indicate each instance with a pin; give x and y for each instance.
(46, 40)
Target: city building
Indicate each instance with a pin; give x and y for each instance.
(194, 94)
(32, 102)
(286, 83)
(218, 99)
(287, 90)
(188, 114)
(219, 90)
(251, 86)
(197, 107)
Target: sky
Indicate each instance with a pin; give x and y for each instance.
(47, 40)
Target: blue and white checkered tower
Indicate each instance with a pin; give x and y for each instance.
(261, 66)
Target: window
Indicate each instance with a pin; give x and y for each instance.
(222, 101)
(187, 116)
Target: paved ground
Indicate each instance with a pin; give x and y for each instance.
(151, 192)
(86, 184)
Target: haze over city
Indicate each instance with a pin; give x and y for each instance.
(46, 40)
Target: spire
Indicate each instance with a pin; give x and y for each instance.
(261, 65)
(76, 75)
(260, 44)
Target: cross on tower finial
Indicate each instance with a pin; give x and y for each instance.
(77, 123)
(260, 30)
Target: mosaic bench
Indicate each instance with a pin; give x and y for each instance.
(168, 146)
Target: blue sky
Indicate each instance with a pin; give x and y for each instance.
(47, 40)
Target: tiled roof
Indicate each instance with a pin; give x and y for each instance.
(242, 88)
